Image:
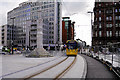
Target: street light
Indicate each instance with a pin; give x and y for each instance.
(91, 16)
(12, 34)
(91, 21)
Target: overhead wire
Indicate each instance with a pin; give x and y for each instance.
(66, 9)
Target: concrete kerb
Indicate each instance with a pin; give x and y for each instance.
(85, 68)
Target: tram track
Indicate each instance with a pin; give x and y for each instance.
(58, 75)
(65, 70)
(28, 68)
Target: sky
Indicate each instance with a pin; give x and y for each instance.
(75, 9)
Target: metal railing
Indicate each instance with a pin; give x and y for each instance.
(109, 54)
(112, 57)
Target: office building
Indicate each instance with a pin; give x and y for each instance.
(6, 36)
(0, 35)
(26, 16)
(67, 29)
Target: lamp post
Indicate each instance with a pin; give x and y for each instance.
(29, 39)
(91, 21)
(12, 34)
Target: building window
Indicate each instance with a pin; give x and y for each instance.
(100, 42)
(110, 11)
(119, 33)
(107, 25)
(107, 11)
(116, 33)
(99, 33)
(110, 33)
(66, 25)
(116, 17)
(107, 33)
(99, 18)
(100, 25)
(110, 18)
(99, 4)
(107, 18)
(110, 25)
(96, 19)
(116, 25)
(96, 33)
(99, 12)
(106, 4)
(116, 10)
(95, 26)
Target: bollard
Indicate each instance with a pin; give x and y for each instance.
(110, 68)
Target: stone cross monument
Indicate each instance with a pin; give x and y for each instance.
(39, 51)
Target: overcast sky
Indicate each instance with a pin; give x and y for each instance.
(75, 9)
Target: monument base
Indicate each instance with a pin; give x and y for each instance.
(39, 52)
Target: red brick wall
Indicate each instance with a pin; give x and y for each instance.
(64, 33)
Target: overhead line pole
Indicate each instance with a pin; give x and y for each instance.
(12, 34)
(91, 22)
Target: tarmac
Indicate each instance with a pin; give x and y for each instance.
(97, 70)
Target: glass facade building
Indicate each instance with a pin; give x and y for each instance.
(26, 16)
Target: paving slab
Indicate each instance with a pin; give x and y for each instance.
(14, 63)
(78, 70)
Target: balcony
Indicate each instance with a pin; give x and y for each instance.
(33, 32)
(33, 38)
(34, 28)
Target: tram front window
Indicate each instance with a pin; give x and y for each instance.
(72, 46)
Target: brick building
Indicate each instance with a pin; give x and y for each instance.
(67, 29)
(106, 28)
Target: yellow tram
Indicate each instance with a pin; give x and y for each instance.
(71, 47)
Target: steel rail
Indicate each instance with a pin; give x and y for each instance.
(29, 67)
(65, 70)
(46, 69)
